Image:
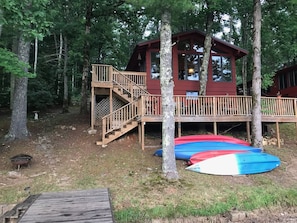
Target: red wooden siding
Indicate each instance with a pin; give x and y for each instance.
(194, 38)
(285, 82)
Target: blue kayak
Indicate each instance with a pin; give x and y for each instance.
(237, 164)
(185, 151)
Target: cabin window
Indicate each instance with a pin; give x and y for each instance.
(221, 69)
(184, 45)
(189, 66)
(293, 78)
(198, 47)
(155, 65)
(282, 81)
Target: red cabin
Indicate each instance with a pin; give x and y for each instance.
(187, 53)
(285, 82)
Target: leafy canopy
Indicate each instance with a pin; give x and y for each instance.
(11, 64)
(27, 16)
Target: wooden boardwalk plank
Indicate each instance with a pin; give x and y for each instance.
(71, 206)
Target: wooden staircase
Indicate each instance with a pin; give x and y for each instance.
(126, 118)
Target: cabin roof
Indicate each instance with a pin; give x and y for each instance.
(285, 69)
(217, 44)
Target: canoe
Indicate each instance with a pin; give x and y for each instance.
(185, 151)
(237, 164)
(209, 138)
(198, 157)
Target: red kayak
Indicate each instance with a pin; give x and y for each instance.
(198, 157)
(209, 138)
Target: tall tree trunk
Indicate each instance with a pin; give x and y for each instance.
(256, 94)
(18, 126)
(244, 75)
(167, 84)
(86, 65)
(15, 43)
(206, 54)
(65, 95)
(35, 55)
(244, 34)
(60, 54)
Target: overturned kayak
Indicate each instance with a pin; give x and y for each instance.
(185, 151)
(237, 164)
(209, 138)
(198, 157)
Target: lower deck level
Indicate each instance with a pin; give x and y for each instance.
(208, 109)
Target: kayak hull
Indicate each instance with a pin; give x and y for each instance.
(237, 164)
(185, 151)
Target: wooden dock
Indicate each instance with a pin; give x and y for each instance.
(70, 206)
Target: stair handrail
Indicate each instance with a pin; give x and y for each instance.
(120, 117)
(127, 84)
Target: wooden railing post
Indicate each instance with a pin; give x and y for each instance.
(178, 111)
(140, 106)
(103, 130)
(295, 107)
(295, 112)
(215, 129)
(131, 90)
(110, 71)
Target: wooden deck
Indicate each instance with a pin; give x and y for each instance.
(142, 107)
(71, 206)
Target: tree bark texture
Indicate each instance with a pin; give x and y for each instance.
(256, 93)
(59, 58)
(206, 54)
(18, 125)
(167, 85)
(245, 34)
(65, 95)
(35, 55)
(15, 46)
(86, 64)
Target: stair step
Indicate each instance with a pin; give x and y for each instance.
(118, 133)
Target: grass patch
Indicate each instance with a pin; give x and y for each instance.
(245, 199)
(11, 195)
(138, 191)
(86, 182)
(20, 191)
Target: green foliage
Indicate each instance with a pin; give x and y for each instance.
(155, 8)
(279, 30)
(40, 96)
(28, 17)
(245, 199)
(11, 64)
(267, 80)
(4, 99)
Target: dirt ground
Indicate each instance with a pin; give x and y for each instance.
(66, 157)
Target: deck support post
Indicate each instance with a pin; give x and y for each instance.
(248, 131)
(139, 133)
(179, 129)
(296, 127)
(142, 135)
(110, 101)
(295, 110)
(277, 134)
(215, 128)
(93, 114)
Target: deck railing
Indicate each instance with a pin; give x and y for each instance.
(131, 83)
(119, 118)
(220, 106)
(202, 106)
